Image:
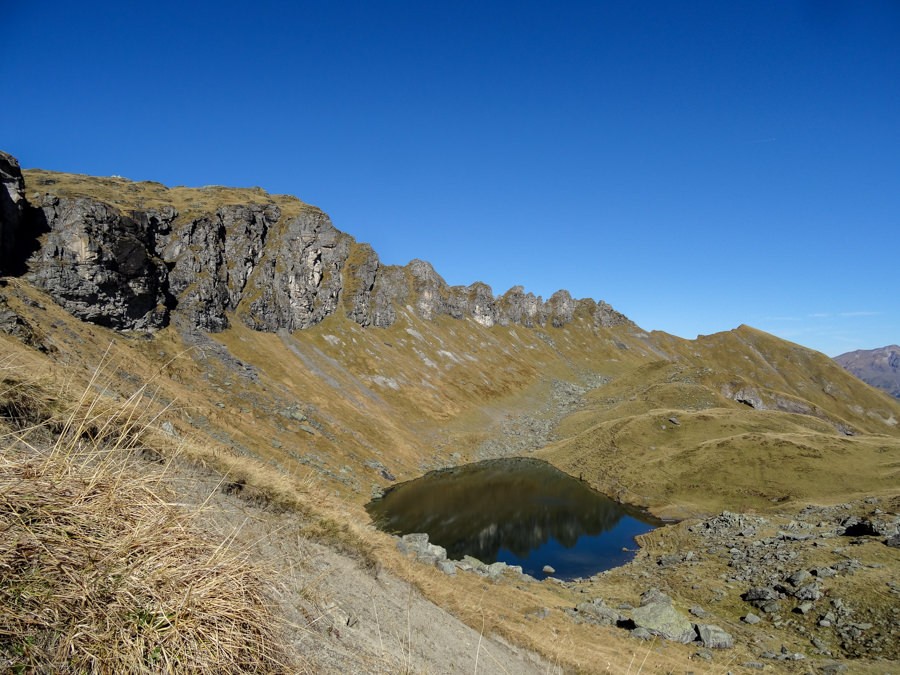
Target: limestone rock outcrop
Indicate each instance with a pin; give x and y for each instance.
(99, 264)
(361, 271)
(298, 282)
(521, 308)
(476, 300)
(212, 257)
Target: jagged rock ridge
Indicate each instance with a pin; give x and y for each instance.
(130, 269)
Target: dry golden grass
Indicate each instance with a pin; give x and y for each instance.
(99, 573)
(727, 458)
(128, 195)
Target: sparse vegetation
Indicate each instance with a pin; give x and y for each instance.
(128, 195)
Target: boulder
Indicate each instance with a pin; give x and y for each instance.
(417, 544)
(412, 543)
(496, 570)
(474, 564)
(597, 611)
(448, 567)
(799, 577)
(658, 616)
(642, 633)
(809, 592)
(761, 594)
(713, 637)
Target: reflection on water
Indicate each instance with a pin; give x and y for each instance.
(518, 511)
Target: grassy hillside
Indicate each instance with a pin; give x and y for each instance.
(670, 435)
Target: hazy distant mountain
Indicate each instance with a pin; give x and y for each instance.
(878, 367)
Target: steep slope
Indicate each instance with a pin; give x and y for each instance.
(877, 367)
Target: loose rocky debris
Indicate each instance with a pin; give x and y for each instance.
(803, 579)
(417, 544)
(802, 598)
(655, 617)
(527, 433)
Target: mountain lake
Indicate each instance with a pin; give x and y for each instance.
(517, 511)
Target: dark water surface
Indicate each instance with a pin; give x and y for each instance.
(518, 511)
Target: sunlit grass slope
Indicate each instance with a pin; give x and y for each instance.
(671, 435)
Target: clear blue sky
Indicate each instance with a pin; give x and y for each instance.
(698, 165)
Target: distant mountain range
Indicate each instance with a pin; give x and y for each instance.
(878, 367)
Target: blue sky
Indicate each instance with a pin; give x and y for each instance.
(698, 165)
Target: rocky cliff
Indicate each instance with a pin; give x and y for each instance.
(139, 255)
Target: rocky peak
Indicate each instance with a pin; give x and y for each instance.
(518, 307)
(429, 290)
(476, 300)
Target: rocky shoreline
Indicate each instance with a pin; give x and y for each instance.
(787, 585)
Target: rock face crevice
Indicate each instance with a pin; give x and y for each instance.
(298, 282)
(211, 258)
(131, 269)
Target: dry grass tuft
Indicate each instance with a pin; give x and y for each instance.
(24, 405)
(99, 573)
